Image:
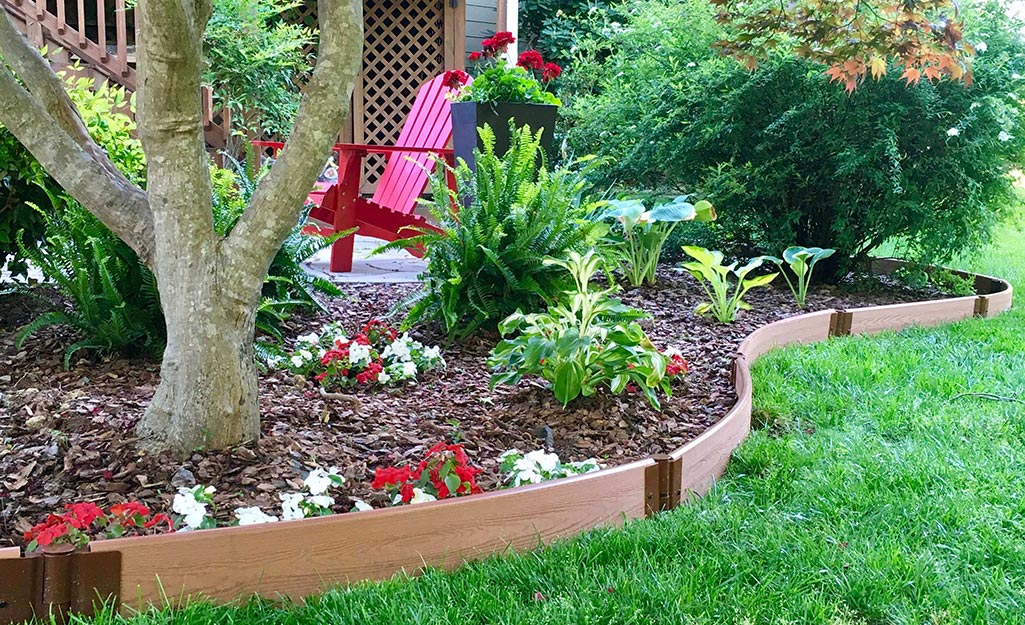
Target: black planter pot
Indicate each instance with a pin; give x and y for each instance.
(467, 117)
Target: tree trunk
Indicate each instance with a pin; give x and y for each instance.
(207, 396)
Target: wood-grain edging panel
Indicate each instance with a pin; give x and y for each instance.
(299, 558)
(876, 319)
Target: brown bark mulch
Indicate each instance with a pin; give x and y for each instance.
(67, 435)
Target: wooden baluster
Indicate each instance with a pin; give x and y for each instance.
(101, 27)
(62, 18)
(81, 22)
(122, 36)
(40, 9)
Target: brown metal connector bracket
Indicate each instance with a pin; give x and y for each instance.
(661, 484)
(58, 584)
(840, 323)
(981, 306)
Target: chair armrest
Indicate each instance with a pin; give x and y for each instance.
(388, 149)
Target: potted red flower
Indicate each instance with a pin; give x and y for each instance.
(501, 92)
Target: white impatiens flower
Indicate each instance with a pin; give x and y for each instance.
(321, 501)
(359, 353)
(419, 496)
(253, 516)
(432, 353)
(672, 351)
(981, 47)
(953, 132)
(306, 354)
(319, 480)
(312, 338)
(383, 377)
(1004, 136)
(297, 361)
(409, 369)
(546, 462)
(290, 509)
(358, 505)
(399, 349)
(193, 511)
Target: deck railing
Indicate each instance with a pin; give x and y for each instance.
(100, 32)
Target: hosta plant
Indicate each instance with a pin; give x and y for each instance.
(638, 243)
(81, 522)
(725, 299)
(377, 354)
(801, 261)
(537, 466)
(445, 471)
(587, 341)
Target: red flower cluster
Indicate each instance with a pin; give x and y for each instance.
(453, 79)
(79, 519)
(676, 366)
(493, 46)
(530, 59)
(550, 72)
(375, 335)
(443, 466)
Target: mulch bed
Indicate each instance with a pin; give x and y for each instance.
(67, 435)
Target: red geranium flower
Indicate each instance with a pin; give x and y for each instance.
(497, 44)
(475, 56)
(550, 72)
(530, 59)
(454, 79)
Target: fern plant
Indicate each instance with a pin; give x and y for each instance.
(485, 259)
(102, 290)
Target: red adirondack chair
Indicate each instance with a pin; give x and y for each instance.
(427, 132)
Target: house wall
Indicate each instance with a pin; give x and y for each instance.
(485, 17)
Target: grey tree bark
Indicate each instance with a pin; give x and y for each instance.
(209, 286)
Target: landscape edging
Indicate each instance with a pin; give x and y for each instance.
(299, 558)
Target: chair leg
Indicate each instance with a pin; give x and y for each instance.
(346, 192)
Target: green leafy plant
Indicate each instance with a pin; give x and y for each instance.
(485, 259)
(642, 233)
(725, 300)
(112, 298)
(802, 262)
(587, 341)
(255, 64)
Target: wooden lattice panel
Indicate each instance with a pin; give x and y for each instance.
(404, 47)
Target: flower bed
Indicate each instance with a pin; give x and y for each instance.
(273, 559)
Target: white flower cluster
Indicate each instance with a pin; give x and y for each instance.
(405, 357)
(310, 348)
(191, 504)
(419, 496)
(537, 466)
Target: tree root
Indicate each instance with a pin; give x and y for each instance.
(351, 399)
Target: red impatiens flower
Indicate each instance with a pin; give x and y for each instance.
(386, 476)
(676, 366)
(129, 508)
(550, 72)
(475, 56)
(454, 79)
(370, 373)
(82, 515)
(530, 59)
(158, 519)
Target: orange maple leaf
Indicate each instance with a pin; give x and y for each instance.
(911, 75)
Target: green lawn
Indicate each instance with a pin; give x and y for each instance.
(874, 496)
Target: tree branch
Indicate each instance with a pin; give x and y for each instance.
(43, 117)
(115, 201)
(278, 201)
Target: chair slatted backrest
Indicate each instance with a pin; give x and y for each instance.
(429, 125)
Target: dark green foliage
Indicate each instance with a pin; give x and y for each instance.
(789, 158)
(558, 28)
(19, 172)
(487, 260)
(104, 292)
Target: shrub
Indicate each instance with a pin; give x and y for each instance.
(485, 261)
(587, 341)
(795, 158)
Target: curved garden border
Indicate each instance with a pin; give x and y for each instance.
(299, 558)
